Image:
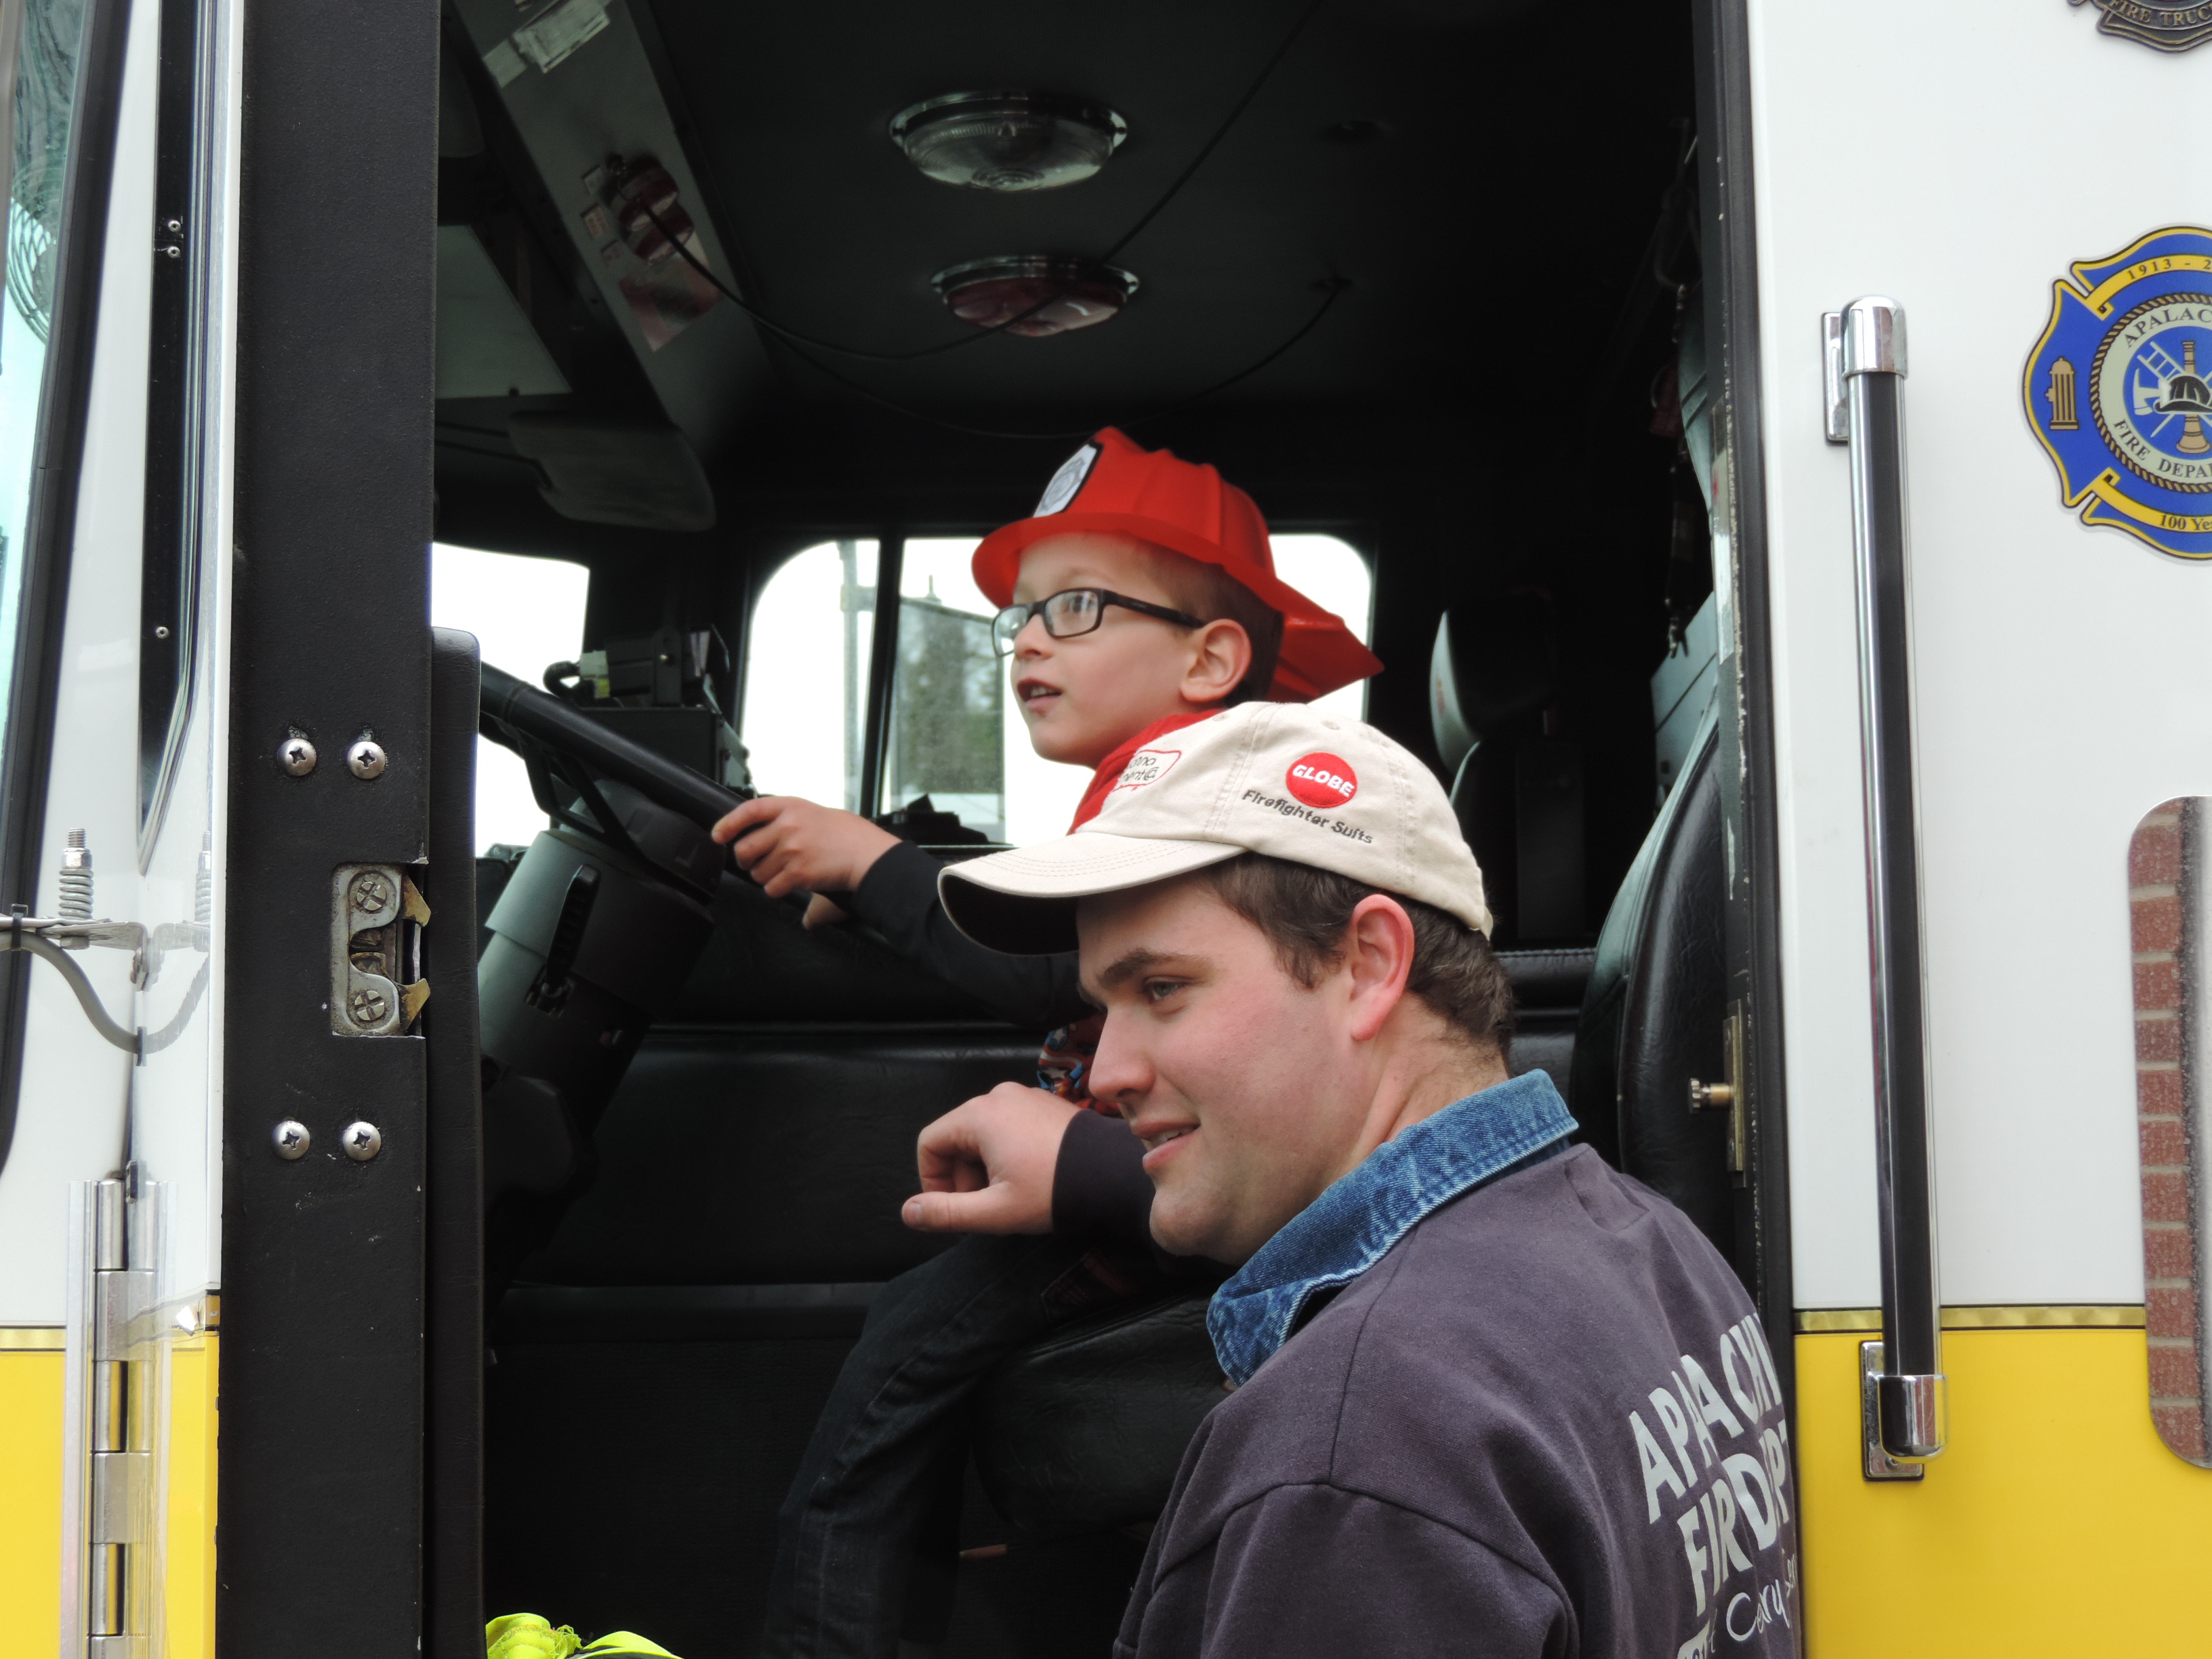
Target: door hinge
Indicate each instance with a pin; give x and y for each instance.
(114, 1380)
(118, 1479)
(119, 1295)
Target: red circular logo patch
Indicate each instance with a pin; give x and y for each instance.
(1322, 780)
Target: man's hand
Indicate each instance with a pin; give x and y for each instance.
(787, 845)
(987, 1167)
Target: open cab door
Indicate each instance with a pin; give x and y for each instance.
(229, 741)
(1965, 341)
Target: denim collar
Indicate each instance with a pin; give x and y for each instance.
(1349, 1228)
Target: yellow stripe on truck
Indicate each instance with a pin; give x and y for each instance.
(2055, 1522)
(31, 1498)
(189, 1576)
(31, 1495)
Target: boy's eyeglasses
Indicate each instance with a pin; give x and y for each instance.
(1075, 611)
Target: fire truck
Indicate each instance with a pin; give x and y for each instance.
(464, 446)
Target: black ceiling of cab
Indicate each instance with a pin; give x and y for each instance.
(1393, 146)
(1482, 176)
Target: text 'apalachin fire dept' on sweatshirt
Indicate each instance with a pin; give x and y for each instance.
(1537, 1417)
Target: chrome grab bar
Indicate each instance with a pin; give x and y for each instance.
(1865, 346)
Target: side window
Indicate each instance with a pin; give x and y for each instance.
(950, 730)
(525, 613)
(956, 735)
(1330, 572)
(33, 168)
(808, 648)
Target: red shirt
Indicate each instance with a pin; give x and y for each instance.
(1109, 770)
(1064, 1063)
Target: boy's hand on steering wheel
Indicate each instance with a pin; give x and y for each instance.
(789, 844)
(987, 1167)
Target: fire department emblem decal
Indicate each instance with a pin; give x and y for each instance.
(2119, 390)
(2161, 25)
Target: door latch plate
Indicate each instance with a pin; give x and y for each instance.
(377, 983)
(1728, 1096)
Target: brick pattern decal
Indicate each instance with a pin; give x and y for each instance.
(2177, 1376)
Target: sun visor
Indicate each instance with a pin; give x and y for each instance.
(598, 472)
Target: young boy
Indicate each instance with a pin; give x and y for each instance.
(1139, 598)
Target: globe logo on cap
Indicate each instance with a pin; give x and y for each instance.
(1322, 780)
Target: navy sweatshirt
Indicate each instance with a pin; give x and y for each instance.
(1544, 1422)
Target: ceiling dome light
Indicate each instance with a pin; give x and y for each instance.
(1060, 293)
(1008, 140)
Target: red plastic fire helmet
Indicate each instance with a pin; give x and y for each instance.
(1110, 484)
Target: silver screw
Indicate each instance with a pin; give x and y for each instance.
(366, 760)
(297, 755)
(291, 1139)
(362, 1141)
(367, 1008)
(76, 878)
(371, 892)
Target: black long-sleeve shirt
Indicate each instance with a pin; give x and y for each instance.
(1099, 1185)
(898, 898)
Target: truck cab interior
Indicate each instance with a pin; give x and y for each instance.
(753, 319)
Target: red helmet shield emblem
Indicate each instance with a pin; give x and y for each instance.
(1322, 780)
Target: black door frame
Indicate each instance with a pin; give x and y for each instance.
(320, 1462)
(1729, 253)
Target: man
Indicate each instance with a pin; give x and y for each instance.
(1493, 1397)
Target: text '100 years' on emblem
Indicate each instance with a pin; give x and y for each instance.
(2119, 390)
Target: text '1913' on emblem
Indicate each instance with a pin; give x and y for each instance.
(2162, 24)
(2119, 390)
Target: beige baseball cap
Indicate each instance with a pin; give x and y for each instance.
(1280, 778)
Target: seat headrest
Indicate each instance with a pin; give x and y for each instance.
(1492, 666)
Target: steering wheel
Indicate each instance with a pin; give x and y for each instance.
(594, 935)
(554, 737)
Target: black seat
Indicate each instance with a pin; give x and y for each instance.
(1517, 787)
(1652, 1018)
(1084, 1431)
